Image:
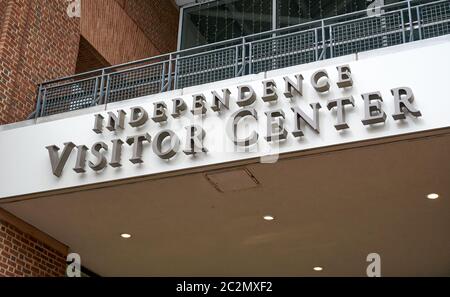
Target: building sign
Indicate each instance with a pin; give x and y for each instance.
(257, 118)
(402, 101)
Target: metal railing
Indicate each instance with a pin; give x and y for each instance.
(394, 24)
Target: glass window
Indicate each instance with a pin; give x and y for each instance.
(215, 21)
(224, 19)
(293, 12)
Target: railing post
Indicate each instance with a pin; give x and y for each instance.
(169, 74)
(411, 25)
(163, 76)
(404, 29)
(175, 77)
(38, 103)
(94, 95)
(316, 42)
(324, 41)
(331, 42)
(108, 86)
(43, 100)
(236, 61)
(102, 86)
(244, 59)
(419, 22)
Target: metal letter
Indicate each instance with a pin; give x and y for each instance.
(372, 110)
(116, 122)
(58, 162)
(269, 91)
(98, 124)
(101, 159)
(159, 112)
(137, 141)
(80, 164)
(138, 116)
(290, 86)
(404, 104)
(237, 116)
(198, 107)
(158, 144)
(345, 77)
(219, 102)
(246, 95)
(340, 109)
(194, 140)
(179, 106)
(275, 126)
(324, 85)
(116, 153)
(301, 115)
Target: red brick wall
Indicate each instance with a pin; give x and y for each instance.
(2, 11)
(22, 254)
(158, 19)
(38, 41)
(127, 30)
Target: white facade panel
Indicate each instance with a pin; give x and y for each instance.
(423, 66)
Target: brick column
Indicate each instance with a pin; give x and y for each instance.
(38, 41)
(26, 251)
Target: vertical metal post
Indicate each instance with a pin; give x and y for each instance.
(102, 86)
(316, 41)
(180, 28)
(244, 58)
(274, 14)
(324, 41)
(175, 83)
(331, 42)
(236, 61)
(44, 100)
(411, 25)
(108, 86)
(163, 76)
(403, 29)
(419, 22)
(94, 94)
(38, 103)
(169, 74)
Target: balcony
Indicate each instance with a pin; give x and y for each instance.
(390, 25)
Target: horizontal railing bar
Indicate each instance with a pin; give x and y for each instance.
(426, 4)
(74, 82)
(282, 36)
(72, 77)
(136, 68)
(209, 70)
(424, 25)
(205, 53)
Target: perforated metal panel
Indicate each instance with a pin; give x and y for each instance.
(367, 34)
(134, 83)
(435, 19)
(205, 68)
(282, 52)
(70, 96)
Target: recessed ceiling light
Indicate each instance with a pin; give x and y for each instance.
(125, 235)
(269, 218)
(432, 196)
(318, 268)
